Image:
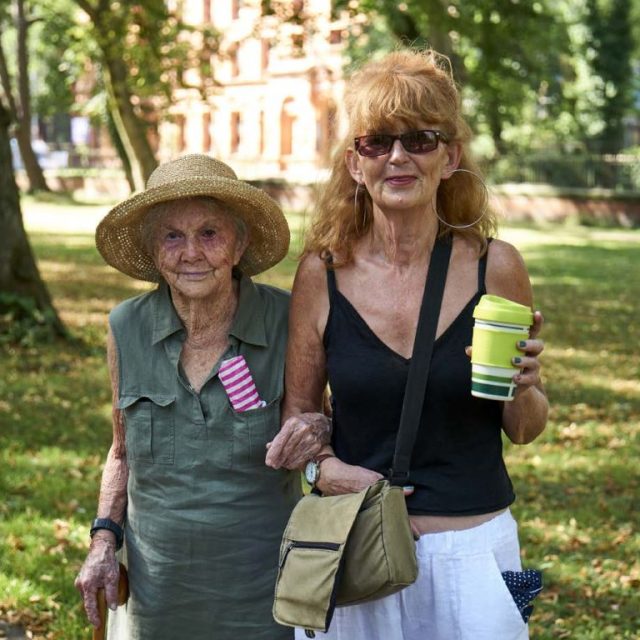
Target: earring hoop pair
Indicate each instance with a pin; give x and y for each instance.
(484, 210)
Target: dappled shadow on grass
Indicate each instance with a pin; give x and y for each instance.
(604, 403)
(76, 249)
(55, 396)
(579, 524)
(588, 295)
(40, 557)
(51, 482)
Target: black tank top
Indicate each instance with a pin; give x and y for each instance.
(457, 466)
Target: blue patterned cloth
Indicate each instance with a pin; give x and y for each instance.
(524, 587)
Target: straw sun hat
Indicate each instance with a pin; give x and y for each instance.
(119, 235)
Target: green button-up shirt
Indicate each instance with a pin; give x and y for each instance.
(205, 515)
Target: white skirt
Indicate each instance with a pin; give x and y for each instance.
(460, 593)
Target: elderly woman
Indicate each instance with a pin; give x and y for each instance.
(197, 373)
(402, 179)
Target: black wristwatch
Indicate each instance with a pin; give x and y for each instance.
(110, 525)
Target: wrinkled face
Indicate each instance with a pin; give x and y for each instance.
(400, 180)
(195, 249)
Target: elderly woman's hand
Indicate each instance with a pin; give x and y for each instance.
(298, 441)
(100, 570)
(528, 362)
(337, 477)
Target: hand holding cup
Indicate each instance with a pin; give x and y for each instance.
(501, 328)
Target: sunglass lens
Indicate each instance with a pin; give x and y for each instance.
(419, 141)
(374, 145)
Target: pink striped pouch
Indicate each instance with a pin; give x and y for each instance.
(238, 383)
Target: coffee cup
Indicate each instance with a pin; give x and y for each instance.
(499, 325)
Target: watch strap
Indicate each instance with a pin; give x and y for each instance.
(109, 525)
(318, 460)
(323, 456)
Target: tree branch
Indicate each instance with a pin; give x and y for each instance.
(88, 8)
(23, 67)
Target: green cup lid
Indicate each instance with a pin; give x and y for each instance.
(497, 309)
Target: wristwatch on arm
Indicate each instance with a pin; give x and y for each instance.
(312, 470)
(109, 525)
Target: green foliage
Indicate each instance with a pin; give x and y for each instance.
(526, 68)
(611, 45)
(507, 56)
(59, 53)
(157, 46)
(22, 323)
(577, 485)
(580, 170)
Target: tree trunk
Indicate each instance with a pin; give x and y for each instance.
(19, 275)
(35, 175)
(439, 38)
(23, 132)
(117, 143)
(131, 129)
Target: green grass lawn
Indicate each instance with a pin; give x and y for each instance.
(578, 486)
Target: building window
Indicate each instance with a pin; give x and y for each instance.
(181, 138)
(297, 45)
(206, 131)
(287, 118)
(235, 66)
(335, 36)
(261, 133)
(235, 131)
(266, 49)
(326, 131)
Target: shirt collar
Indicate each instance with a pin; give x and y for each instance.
(165, 319)
(248, 324)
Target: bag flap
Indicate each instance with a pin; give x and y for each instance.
(325, 518)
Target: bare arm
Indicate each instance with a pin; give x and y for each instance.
(305, 427)
(306, 381)
(523, 419)
(100, 568)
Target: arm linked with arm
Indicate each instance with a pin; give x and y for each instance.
(306, 383)
(305, 427)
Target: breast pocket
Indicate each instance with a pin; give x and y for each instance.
(149, 428)
(251, 431)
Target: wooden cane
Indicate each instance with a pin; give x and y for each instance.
(123, 596)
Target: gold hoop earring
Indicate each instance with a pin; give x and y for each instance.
(484, 210)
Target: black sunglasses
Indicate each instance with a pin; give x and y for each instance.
(378, 144)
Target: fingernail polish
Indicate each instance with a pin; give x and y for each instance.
(522, 343)
(517, 360)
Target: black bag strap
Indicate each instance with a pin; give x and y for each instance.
(420, 361)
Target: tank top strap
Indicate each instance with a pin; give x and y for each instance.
(332, 285)
(482, 269)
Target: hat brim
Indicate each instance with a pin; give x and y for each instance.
(119, 235)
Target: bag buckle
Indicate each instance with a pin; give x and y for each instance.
(398, 478)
